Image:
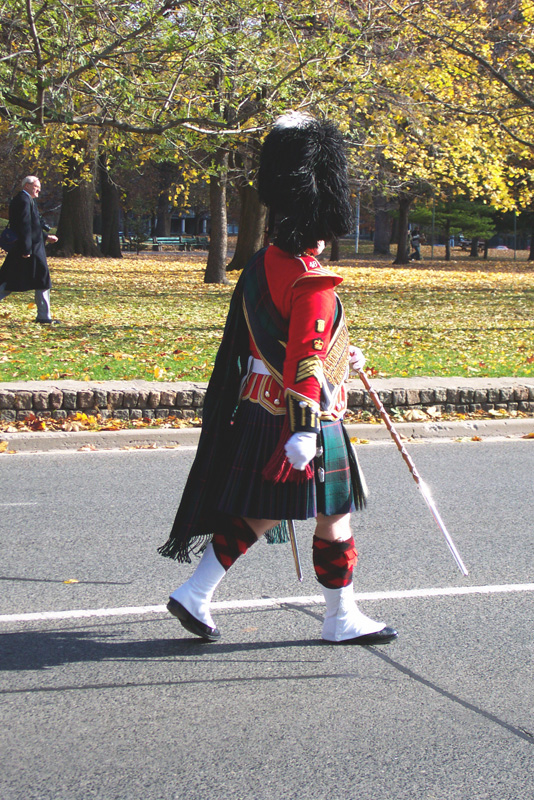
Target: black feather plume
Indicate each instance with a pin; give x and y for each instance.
(303, 180)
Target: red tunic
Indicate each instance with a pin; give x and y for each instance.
(303, 293)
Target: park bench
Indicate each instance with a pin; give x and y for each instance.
(157, 243)
(186, 243)
(131, 246)
(127, 244)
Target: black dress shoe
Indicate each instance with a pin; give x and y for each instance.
(48, 321)
(191, 623)
(380, 637)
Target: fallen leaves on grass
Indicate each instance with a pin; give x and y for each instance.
(119, 331)
(437, 318)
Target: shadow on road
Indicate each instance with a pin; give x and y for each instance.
(40, 650)
(37, 650)
(526, 735)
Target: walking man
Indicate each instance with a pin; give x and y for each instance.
(273, 447)
(25, 266)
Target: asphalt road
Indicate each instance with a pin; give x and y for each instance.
(124, 705)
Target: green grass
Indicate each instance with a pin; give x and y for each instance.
(153, 318)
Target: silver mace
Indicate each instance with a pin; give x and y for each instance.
(421, 485)
(294, 547)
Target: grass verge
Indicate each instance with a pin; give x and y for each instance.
(152, 318)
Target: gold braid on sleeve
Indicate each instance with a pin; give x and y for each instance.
(303, 413)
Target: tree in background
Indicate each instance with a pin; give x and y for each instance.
(201, 74)
(436, 98)
(67, 71)
(110, 244)
(474, 60)
(76, 161)
(455, 216)
(252, 214)
(416, 135)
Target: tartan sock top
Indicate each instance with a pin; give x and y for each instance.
(334, 562)
(232, 540)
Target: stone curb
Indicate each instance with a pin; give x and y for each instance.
(54, 441)
(135, 400)
(125, 400)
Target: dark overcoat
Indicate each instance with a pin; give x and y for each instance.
(18, 273)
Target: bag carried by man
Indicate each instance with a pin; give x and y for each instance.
(8, 238)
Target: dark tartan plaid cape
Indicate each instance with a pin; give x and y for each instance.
(198, 512)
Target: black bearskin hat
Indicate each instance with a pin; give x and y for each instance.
(303, 181)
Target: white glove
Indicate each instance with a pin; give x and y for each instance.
(356, 359)
(318, 249)
(300, 449)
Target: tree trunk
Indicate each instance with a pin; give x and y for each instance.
(251, 226)
(110, 209)
(334, 250)
(531, 252)
(447, 240)
(474, 247)
(75, 226)
(163, 222)
(486, 249)
(215, 267)
(382, 233)
(402, 246)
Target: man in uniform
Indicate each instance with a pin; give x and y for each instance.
(273, 447)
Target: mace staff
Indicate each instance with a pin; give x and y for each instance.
(421, 485)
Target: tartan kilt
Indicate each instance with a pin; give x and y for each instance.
(255, 435)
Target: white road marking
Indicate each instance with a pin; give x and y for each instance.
(108, 451)
(228, 605)
(10, 505)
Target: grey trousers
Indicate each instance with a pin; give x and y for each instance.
(42, 301)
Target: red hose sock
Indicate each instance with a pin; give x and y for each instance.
(334, 562)
(232, 540)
